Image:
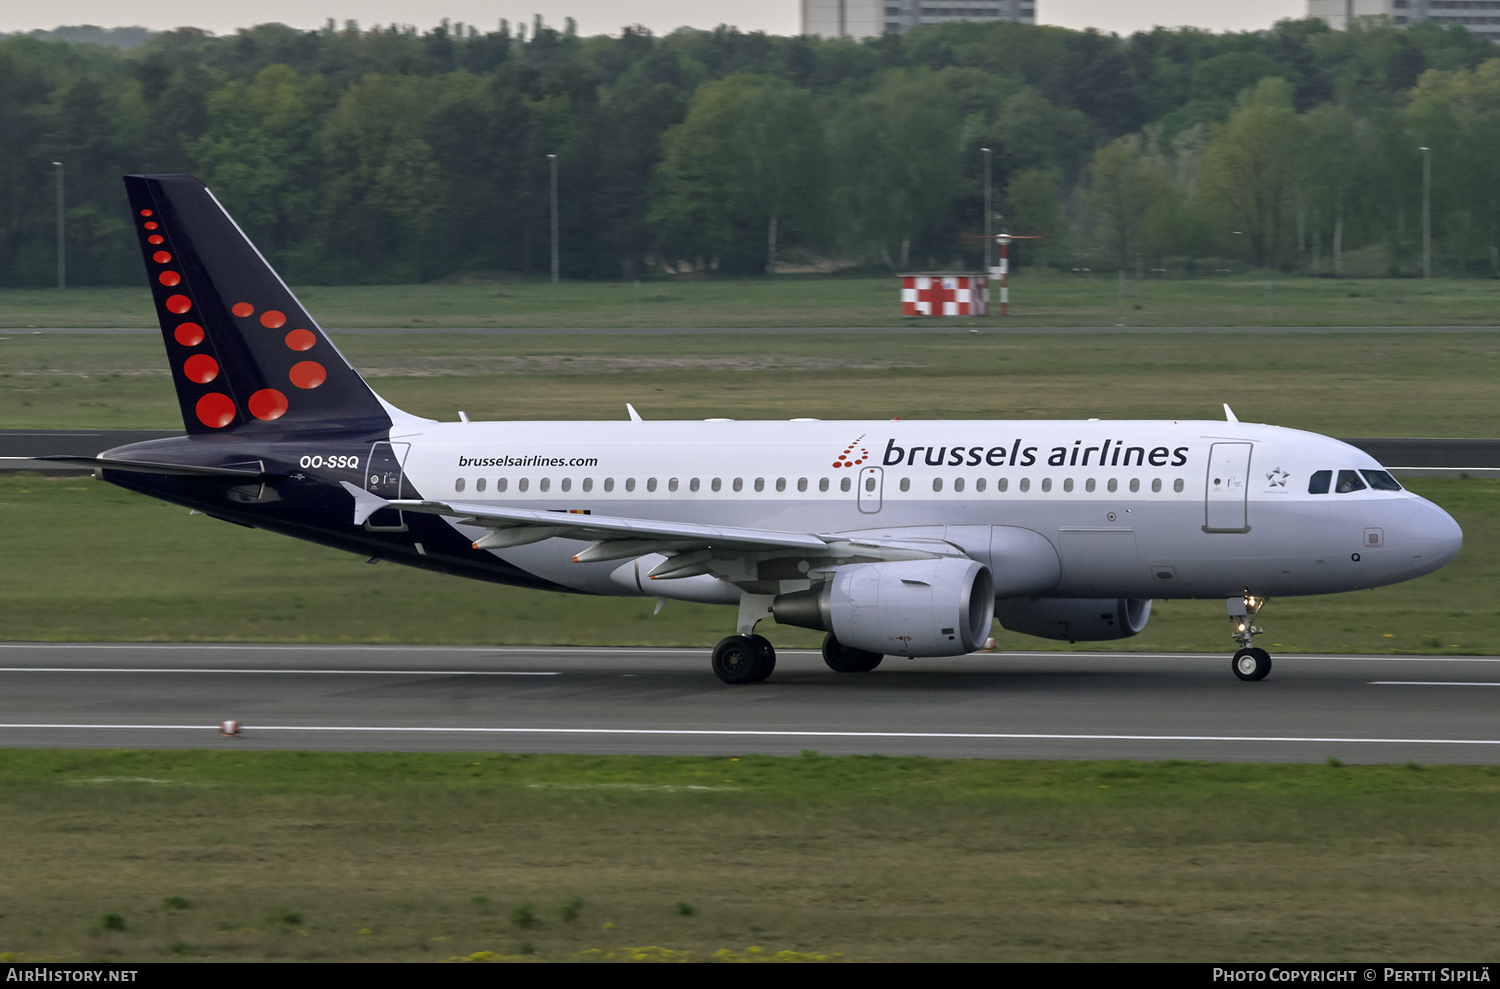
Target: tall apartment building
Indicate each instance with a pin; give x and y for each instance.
(1480, 16)
(867, 18)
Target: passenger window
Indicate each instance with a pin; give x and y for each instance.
(567, 484)
(781, 484)
(822, 484)
(1113, 484)
(500, 485)
(1380, 480)
(906, 484)
(629, 484)
(1046, 484)
(739, 484)
(525, 483)
(870, 483)
(1155, 485)
(937, 484)
(588, 484)
(609, 484)
(801, 484)
(1003, 484)
(1177, 485)
(958, 484)
(1348, 481)
(1067, 484)
(672, 484)
(1318, 483)
(846, 484)
(717, 484)
(1088, 485)
(979, 484)
(760, 484)
(650, 484)
(1135, 485)
(479, 484)
(458, 485)
(546, 483)
(693, 484)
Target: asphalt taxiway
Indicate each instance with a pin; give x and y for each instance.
(666, 702)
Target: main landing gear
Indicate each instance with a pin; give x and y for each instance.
(1250, 663)
(744, 659)
(846, 659)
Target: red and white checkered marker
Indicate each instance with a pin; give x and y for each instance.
(944, 293)
(229, 728)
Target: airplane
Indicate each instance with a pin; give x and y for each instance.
(896, 538)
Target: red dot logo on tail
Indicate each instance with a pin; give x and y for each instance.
(268, 404)
(272, 320)
(242, 309)
(178, 304)
(200, 369)
(169, 278)
(188, 334)
(307, 374)
(215, 410)
(301, 340)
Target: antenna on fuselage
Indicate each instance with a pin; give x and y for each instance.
(636, 416)
(1229, 414)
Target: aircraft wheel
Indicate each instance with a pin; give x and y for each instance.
(846, 659)
(1252, 664)
(742, 659)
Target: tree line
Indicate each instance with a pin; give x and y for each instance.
(389, 154)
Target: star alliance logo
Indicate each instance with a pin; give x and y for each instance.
(1278, 478)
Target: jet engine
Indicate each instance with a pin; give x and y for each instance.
(937, 607)
(1075, 619)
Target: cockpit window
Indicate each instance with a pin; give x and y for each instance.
(1380, 480)
(1319, 482)
(1348, 481)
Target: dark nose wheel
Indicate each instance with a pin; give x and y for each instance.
(1251, 664)
(744, 659)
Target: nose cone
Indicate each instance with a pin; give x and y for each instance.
(1433, 536)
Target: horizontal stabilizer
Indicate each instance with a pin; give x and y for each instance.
(136, 466)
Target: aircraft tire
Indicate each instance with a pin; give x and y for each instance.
(742, 659)
(1251, 664)
(845, 659)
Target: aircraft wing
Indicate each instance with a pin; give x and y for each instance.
(690, 548)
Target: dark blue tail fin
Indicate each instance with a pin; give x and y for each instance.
(244, 353)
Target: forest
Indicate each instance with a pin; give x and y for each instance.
(394, 155)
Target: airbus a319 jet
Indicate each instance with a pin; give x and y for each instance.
(897, 538)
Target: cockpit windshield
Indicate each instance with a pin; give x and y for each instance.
(1381, 480)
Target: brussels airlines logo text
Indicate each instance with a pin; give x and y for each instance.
(1110, 453)
(532, 461)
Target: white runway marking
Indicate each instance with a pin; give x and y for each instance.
(1431, 683)
(394, 673)
(765, 733)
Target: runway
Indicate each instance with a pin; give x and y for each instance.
(913, 328)
(1360, 709)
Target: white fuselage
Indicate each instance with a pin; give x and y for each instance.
(1139, 509)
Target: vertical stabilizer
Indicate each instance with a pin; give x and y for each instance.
(245, 355)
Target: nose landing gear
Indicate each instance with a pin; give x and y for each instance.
(1250, 663)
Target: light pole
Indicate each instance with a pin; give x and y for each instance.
(1426, 212)
(62, 269)
(988, 211)
(553, 160)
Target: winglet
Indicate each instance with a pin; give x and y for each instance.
(634, 415)
(365, 504)
(1229, 415)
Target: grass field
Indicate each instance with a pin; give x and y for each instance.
(1363, 384)
(1039, 298)
(88, 561)
(264, 855)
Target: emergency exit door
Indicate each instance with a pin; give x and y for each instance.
(868, 490)
(384, 477)
(1227, 488)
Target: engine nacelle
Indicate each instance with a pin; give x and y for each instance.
(909, 608)
(1075, 619)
